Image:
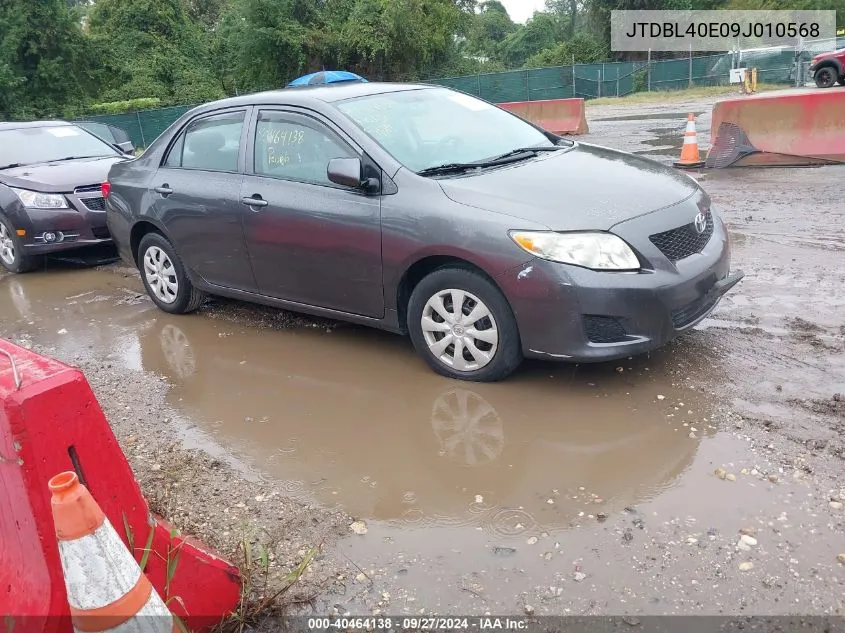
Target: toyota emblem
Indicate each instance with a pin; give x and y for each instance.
(700, 222)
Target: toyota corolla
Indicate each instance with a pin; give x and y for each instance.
(426, 212)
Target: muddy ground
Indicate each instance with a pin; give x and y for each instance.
(706, 478)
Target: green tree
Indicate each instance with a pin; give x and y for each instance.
(540, 32)
(583, 49)
(151, 48)
(43, 60)
(489, 29)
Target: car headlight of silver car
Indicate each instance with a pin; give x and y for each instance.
(37, 200)
(595, 250)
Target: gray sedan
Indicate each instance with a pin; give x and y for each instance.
(426, 212)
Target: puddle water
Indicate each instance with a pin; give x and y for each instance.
(352, 416)
(473, 493)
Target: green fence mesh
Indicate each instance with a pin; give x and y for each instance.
(588, 81)
(143, 126)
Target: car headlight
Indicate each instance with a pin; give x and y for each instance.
(598, 251)
(37, 200)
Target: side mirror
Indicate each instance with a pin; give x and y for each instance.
(127, 147)
(349, 173)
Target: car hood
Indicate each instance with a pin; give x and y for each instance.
(61, 177)
(585, 188)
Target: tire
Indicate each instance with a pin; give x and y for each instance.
(826, 76)
(164, 276)
(841, 80)
(12, 256)
(494, 357)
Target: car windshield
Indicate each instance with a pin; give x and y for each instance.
(33, 145)
(431, 127)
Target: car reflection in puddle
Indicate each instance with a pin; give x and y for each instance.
(353, 418)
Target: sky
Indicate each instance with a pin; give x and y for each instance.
(521, 10)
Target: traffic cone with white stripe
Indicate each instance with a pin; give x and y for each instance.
(106, 589)
(689, 152)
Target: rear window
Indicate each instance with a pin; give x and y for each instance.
(210, 143)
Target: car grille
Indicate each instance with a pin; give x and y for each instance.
(95, 204)
(691, 312)
(101, 232)
(604, 329)
(683, 241)
(88, 189)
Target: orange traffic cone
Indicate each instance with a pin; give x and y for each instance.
(106, 589)
(689, 151)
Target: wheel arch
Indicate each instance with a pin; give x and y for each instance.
(423, 267)
(141, 228)
(831, 63)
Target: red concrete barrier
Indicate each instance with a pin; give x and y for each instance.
(800, 128)
(560, 116)
(51, 422)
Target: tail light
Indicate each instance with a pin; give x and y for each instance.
(105, 188)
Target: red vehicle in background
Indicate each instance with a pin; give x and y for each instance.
(829, 68)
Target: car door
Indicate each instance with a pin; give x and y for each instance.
(196, 192)
(310, 241)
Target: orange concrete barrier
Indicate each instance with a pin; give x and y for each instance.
(789, 129)
(559, 116)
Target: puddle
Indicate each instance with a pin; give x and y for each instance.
(562, 481)
(352, 417)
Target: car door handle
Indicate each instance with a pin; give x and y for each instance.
(164, 190)
(255, 201)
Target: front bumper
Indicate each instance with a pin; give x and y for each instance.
(74, 228)
(574, 314)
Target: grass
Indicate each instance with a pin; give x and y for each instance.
(663, 96)
(255, 604)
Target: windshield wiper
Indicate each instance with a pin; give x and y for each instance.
(13, 165)
(448, 168)
(502, 159)
(522, 150)
(59, 160)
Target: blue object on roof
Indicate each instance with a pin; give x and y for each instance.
(326, 77)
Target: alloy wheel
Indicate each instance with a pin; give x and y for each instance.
(161, 275)
(7, 245)
(460, 330)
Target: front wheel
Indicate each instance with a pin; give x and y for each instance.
(463, 326)
(164, 276)
(826, 77)
(12, 255)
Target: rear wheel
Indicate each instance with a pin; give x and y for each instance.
(826, 77)
(164, 276)
(463, 326)
(12, 255)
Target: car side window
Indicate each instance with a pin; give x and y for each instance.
(294, 148)
(174, 156)
(210, 143)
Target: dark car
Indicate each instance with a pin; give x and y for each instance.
(51, 173)
(425, 211)
(111, 134)
(829, 68)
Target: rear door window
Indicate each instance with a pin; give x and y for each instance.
(209, 143)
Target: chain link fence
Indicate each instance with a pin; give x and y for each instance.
(588, 81)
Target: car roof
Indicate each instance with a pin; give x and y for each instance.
(309, 94)
(17, 125)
